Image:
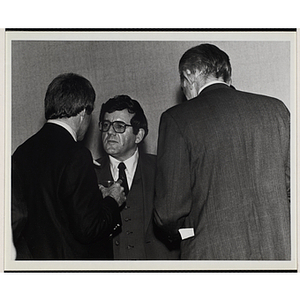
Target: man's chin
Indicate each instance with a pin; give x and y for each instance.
(110, 151)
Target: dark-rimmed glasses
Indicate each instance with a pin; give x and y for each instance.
(118, 126)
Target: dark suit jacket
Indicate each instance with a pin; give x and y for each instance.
(154, 247)
(57, 209)
(224, 170)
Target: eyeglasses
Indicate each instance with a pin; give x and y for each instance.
(118, 126)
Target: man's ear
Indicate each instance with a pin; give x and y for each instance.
(82, 114)
(191, 77)
(140, 135)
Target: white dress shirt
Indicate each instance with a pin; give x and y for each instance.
(130, 163)
(211, 83)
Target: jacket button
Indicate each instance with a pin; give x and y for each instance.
(116, 227)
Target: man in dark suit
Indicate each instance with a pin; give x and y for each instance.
(124, 126)
(223, 175)
(58, 211)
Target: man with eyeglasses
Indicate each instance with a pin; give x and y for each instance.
(123, 127)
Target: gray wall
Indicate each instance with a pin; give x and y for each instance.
(145, 70)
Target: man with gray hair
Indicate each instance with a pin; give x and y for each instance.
(223, 175)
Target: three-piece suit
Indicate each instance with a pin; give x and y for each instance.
(137, 238)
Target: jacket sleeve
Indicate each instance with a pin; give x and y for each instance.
(90, 216)
(287, 162)
(173, 185)
(285, 133)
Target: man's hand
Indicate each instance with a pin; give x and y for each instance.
(115, 191)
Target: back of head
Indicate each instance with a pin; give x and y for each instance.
(67, 95)
(209, 60)
(121, 102)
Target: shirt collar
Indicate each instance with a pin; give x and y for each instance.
(211, 83)
(130, 163)
(64, 125)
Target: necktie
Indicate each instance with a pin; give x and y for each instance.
(122, 176)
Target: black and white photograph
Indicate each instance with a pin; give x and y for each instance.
(150, 150)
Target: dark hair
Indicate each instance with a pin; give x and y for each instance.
(121, 102)
(208, 59)
(67, 95)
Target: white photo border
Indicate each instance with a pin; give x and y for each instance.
(11, 265)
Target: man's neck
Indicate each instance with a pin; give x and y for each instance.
(124, 159)
(65, 123)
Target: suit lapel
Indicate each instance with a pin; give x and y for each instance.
(102, 169)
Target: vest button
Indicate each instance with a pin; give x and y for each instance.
(117, 243)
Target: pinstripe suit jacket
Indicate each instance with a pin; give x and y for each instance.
(224, 170)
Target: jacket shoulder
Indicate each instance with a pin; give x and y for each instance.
(150, 158)
(101, 161)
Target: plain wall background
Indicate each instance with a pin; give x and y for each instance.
(145, 70)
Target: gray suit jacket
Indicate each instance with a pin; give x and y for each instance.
(154, 247)
(224, 170)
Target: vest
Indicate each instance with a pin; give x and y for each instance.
(129, 244)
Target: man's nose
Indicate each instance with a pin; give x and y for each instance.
(111, 129)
